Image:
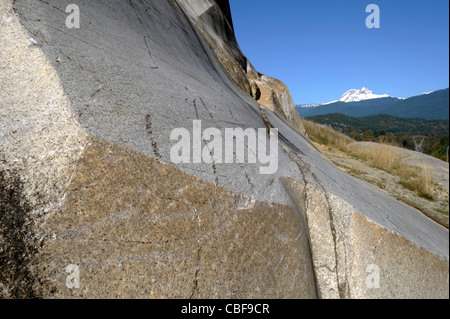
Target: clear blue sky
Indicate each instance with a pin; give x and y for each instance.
(322, 48)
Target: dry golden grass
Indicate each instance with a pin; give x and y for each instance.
(382, 157)
(327, 136)
(427, 179)
(422, 183)
(387, 158)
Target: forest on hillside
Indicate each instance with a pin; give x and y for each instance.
(392, 130)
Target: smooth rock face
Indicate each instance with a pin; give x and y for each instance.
(214, 22)
(346, 244)
(141, 229)
(86, 177)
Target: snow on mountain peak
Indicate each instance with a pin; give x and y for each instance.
(360, 95)
(353, 95)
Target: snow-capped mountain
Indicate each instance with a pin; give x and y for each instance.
(350, 96)
(360, 103)
(360, 95)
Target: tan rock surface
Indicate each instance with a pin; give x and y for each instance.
(141, 229)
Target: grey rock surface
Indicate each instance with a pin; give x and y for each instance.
(86, 117)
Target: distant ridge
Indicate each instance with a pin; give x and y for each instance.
(430, 106)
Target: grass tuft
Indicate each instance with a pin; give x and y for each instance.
(383, 157)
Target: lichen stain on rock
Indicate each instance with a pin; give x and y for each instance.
(18, 245)
(136, 227)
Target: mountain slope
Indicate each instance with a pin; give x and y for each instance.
(384, 122)
(430, 106)
(355, 109)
